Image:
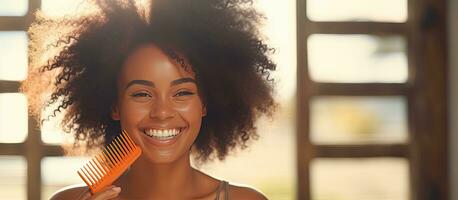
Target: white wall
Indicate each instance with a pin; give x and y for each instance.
(453, 95)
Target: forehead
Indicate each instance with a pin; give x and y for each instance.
(149, 62)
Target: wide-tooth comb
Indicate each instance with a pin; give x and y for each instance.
(107, 166)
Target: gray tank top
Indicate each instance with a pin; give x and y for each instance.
(223, 187)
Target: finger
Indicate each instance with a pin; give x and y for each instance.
(107, 193)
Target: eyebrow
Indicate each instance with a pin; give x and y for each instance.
(140, 82)
(151, 84)
(182, 80)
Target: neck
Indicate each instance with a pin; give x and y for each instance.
(158, 180)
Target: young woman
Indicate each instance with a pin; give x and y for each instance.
(182, 78)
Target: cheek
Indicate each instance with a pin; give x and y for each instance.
(192, 113)
(131, 113)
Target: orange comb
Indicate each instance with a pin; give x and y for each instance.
(107, 166)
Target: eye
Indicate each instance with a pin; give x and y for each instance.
(183, 93)
(140, 94)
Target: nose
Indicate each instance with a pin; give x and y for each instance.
(162, 110)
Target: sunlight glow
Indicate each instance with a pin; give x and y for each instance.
(357, 10)
(13, 7)
(13, 177)
(357, 58)
(67, 175)
(358, 120)
(66, 8)
(13, 118)
(365, 178)
(13, 55)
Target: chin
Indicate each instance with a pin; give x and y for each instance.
(163, 157)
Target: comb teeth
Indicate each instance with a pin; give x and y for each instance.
(107, 166)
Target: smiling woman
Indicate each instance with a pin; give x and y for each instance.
(159, 105)
(182, 78)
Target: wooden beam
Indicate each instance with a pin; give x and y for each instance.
(9, 86)
(373, 28)
(362, 151)
(13, 23)
(359, 89)
(11, 149)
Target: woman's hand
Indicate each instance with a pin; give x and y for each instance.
(109, 192)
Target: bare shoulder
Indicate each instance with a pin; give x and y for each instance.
(69, 192)
(244, 192)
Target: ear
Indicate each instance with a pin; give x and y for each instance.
(204, 110)
(115, 113)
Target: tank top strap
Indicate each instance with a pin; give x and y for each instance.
(226, 190)
(223, 187)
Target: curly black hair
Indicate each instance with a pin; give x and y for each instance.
(76, 59)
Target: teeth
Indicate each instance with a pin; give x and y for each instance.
(162, 134)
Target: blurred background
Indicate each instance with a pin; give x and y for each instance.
(366, 112)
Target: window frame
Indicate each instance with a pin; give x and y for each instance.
(32, 148)
(425, 92)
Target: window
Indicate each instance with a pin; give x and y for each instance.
(26, 158)
(371, 99)
(29, 156)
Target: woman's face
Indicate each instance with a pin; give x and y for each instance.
(158, 104)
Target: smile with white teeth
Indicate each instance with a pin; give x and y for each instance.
(162, 134)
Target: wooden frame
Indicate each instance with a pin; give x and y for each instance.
(425, 92)
(32, 148)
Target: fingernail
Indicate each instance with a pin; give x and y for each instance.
(117, 189)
